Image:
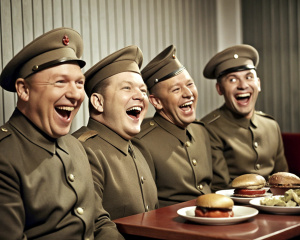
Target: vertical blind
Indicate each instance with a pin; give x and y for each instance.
(109, 25)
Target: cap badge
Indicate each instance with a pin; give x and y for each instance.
(66, 40)
(236, 56)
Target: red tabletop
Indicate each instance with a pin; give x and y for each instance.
(164, 223)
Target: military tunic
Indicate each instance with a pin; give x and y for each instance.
(180, 159)
(241, 146)
(121, 175)
(46, 186)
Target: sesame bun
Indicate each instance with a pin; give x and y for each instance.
(249, 181)
(213, 200)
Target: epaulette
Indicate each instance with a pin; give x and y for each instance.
(4, 132)
(147, 127)
(197, 121)
(211, 117)
(86, 135)
(260, 113)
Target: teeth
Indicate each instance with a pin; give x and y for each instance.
(66, 108)
(243, 95)
(135, 109)
(187, 104)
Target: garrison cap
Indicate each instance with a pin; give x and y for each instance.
(232, 59)
(128, 59)
(60, 45)
(164, 66)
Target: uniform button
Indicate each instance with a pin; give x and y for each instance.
(4, 130)
(151, 123)
(255, 144)
(142, 179)
(258, 166)
(200, 187)
(187, 144)
(147, 208)
(80, 210)
(71, 177)
(194, 162)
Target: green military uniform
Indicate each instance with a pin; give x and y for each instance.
(181, 159)
(46, 186)
(121, 175)
(241, 146)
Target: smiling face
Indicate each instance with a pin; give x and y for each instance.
(123, 104)
(52, 97)
(175, 99)
(240, 90)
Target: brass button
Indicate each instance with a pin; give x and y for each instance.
(194, 162)
(156, 80)
(200, 187)
(236, 56)
(147, 208)
(4, 129)
(35, 67)
(80, 210)
(255, 144)
(151, 123)
(142, 179)
(258, 166)
(71, 177)
(187, 144)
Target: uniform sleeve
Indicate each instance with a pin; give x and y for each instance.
(11, 204)
(280, 160)
(221, 177)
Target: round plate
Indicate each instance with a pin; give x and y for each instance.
(274, 209)
(229, 193)
(240, 214)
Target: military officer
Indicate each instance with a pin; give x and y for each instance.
(179, 149)
(243, 140)
(118, 103)
(46, 186)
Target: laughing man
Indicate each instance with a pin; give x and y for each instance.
(242, 139)
(179, 149)
(118, 104)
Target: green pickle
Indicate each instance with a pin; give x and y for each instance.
(291, 198)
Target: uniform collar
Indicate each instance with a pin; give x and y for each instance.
(32, 133)
(178, 132)
(109, 136)
(241, 121)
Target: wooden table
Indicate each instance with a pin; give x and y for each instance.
(164, 223)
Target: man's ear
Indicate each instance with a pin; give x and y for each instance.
(155, 102)
(219, 88)
(258, 84)
(97, 101)
(22, 89)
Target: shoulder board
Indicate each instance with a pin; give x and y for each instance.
(4, 132)
(260, 113)
(146, 128)
(86, 135)
(197, 121)
(211, 117)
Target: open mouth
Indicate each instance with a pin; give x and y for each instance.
(186, 106)
(134, 112)
(243, 98)
(64, 112)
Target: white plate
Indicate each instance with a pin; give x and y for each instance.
(240, 214)
(274, 209)
(229, 193)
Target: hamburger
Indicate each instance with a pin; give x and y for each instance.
(214, 205)
(280, 182)
(249, 186)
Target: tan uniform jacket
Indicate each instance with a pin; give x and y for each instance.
(122, 177)
(180, 159)
(241, 146)
(46, 186)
